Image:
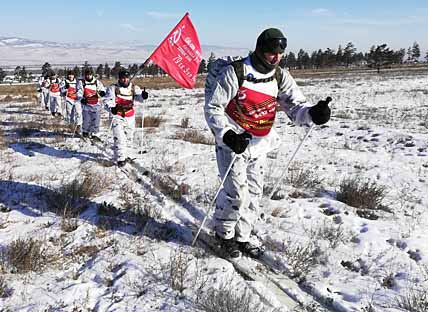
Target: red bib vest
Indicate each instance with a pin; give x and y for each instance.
(125, 100)
(71, 91)
(90, 92)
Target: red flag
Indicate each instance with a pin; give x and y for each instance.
(180, 53)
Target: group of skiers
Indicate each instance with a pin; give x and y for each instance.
(81, 101)
(240, 108)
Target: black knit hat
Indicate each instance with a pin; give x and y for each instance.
(271, 40)
(124, 73)
(89, 71)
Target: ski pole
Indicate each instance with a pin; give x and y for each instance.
(289, 162)
(214, 199)
(327, 100)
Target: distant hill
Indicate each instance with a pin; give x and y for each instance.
(20, 51)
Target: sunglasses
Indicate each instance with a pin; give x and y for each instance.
(275, 44)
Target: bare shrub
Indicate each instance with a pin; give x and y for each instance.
(300, 257)
(185, 122)
(178, 266)
(333, 234)
(149, 121)
(5, 291)
(227, 299)
(68, 223)
(194, 136)
(71, 198)
(3, 140)
(168, 186)
(23, 255)
(361, 194)
(303, 178)
(416, 300)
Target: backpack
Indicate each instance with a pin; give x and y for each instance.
(217, 67)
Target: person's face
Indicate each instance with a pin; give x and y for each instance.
(124, 81)
(89, 77)
(70, 77)
(273, 58)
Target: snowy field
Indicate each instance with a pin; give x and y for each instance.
(78, 234)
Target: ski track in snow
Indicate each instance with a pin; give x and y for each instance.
(378, 131)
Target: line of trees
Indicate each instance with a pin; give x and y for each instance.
(377, 57)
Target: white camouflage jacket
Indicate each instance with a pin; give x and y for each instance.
(290, 98)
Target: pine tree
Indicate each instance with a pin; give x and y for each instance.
(380, 56)
(202, 67)
(211, 60)
(2, 74)
(16, 73)
(416, 52)
(100, 71)
(116, 68)
(46, 68)
(107, 71)
(426, 57)
(348, 54)
(290, 60)
(76, 71)
(339, 56)
(409, 55)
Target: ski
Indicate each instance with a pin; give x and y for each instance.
(263, 270)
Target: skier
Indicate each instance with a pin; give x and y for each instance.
(89, 89)
(54, 94)
(240, 112)
(73, 107)
(43, 91)
(120, 99)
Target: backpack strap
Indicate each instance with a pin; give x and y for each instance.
(238, 66)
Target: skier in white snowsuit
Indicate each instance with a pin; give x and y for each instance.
(42, 88)
(120, 99)
(73, 107)
(240, 111)
(54, 94)
(89, 91)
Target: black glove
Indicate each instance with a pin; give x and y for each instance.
(113, 110)
(320, 113)
(66, 86)
(144, 94)
(237, 142)
(39, 89)
(102, 93)
(83, 101)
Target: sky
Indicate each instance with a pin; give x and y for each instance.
(310, 25)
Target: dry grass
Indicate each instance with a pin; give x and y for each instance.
(360, 193)
(24, 89)
(71, 198)
(3, 140)
(300, 257)
(24, 255)
(228, 299)
(185, 122)
(194, 136)
(416, 300)
(5, 291)
(179, 262)
(149, 121)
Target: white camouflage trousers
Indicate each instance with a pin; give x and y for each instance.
(74, 112)
(55, 103)
(123, 135)
(44, 98)
(238, 202)
(91, 118)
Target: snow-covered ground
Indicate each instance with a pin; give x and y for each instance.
(110, 259)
